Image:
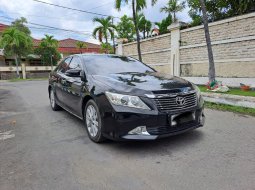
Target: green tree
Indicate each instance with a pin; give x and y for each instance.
(126, 28)
(137, 5)
(81, 45)
(20, 25)
(219, 9)
(162, 26)
(144, 25)
(47, 50)
(49, 41)
(106, 48)
(216, 9)
(105, 29)
(148, 27)
(173, 7)
(240, 7)
(17, 44)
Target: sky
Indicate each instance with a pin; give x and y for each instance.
(82, 23)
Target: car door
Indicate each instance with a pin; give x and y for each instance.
(60, 75)
(73, 87)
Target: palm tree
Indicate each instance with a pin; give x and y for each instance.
(16, 43)
(50, 41)
(162, 26)
(144, 25)
(80, 45)
(148, 27)
(137, 5)
(208, 42)
(105, 29)
(173, 7)
(126, 28)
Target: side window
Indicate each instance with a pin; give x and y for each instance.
(75, 63)
(63, 66)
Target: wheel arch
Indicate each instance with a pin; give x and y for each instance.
(84, 102)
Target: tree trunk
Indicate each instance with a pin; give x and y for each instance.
(113, 39)
(17, 66)
(106, 41)
(137, 31)
(211, 73)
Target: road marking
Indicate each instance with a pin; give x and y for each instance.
(6, 135)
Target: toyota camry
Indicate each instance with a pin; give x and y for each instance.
(120, 98)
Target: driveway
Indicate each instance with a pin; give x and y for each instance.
(45, 150)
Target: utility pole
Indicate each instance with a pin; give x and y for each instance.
(113, 39)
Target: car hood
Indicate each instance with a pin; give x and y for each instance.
(142, 83)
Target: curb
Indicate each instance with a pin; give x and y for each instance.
(234, 100)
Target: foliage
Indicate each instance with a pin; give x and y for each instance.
(81, 45)
(105, 29)
(126, 28)
(50, 41)
(20, 25)
(106, 48)
(16, 43)
(173, 7)
(137, 5)
(144, 25)
(47, 50)
(162, 26)
(219, 9)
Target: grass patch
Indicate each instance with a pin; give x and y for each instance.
(233, 91)
(235, 109)
(19, 80)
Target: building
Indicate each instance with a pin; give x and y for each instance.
(66, 47)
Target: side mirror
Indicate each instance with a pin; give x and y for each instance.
(73, 73)
(83, 76)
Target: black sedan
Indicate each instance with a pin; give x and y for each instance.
(121, 98)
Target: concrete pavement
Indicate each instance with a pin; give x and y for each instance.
(42, 149)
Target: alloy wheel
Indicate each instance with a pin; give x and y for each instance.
(92, 120)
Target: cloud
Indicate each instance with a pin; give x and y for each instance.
(62, 18)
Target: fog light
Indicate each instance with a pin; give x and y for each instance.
(140, 130)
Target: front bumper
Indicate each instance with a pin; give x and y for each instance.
(119, 126)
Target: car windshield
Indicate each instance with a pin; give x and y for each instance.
(108, 64)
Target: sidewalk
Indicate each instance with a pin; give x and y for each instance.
(234, 100)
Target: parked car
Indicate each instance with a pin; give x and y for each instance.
(121, 98)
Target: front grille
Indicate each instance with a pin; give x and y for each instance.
(162, 130)
(169, 104)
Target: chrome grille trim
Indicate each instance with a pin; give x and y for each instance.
(168, 104)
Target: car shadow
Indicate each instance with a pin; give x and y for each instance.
(163, 146)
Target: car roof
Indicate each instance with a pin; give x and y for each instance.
(97, 55)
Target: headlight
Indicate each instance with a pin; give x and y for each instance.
(197, 90)
(126, 100)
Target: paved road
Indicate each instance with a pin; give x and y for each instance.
(45, 150)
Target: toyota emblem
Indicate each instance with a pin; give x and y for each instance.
(180, 101)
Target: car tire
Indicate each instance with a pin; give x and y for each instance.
(53, 104)
(93, 122)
